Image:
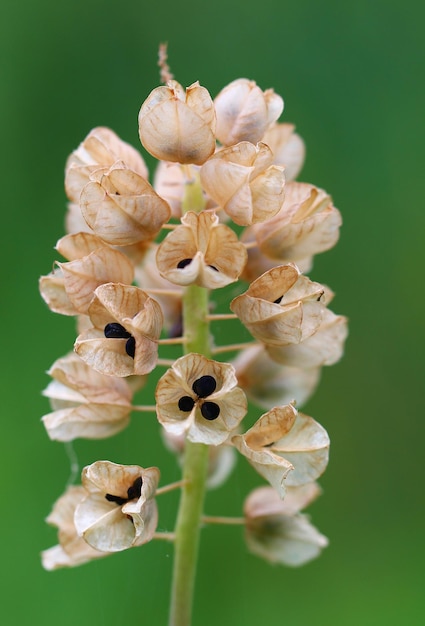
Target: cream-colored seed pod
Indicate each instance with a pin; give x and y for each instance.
(244, 111)
(126, 325)
(243, 182)
(288, 148)
(85, 403)
(71, 550)
(119, 510)
(201, 251)
(276, 531)
(121, 207)
(307, 224)
(281, 307)
(178, 125)
(285, 447)
(101, 148)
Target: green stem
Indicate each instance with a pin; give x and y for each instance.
(196, 331)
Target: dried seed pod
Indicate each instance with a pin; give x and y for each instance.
(201, 251)
(281, 307)
(138, 314)
(288, 148)
(188, 402)
(307, 224)
(177, 125)
(121, 207)
(100, 149)
(276, 531)
(85, 403)
(244, 111)
(285, 447)
(119, 510)
(244, 182)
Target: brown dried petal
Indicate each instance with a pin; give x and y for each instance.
(216, 256)
(281, 306)
(177, 126)
(288, 148)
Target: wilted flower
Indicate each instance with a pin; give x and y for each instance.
(127, 324)
(100, 149)
(288, 148)
(276, 531)
(244, 182)
(244, 111)
(121, 206)
(178, 126)
(324, 347)
(85, 403)
(199, 397)
(119, 510)
(281, 306)
(72, 550)
(285, 447)
(267, 383)
(201, 251)
(307, 224)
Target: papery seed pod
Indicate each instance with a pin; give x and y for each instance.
(285, 447)
(201, 251)
(177, 125)
(135, 349)
(288, 148)
(243, 182)
(85, 403)
(324, 347)
(121, 207)
(276, 531)
(307, 224)
(268, 383)
(119, 510)
(244, 111)
(72, 550)
(198, 397)
(100, 149)
(281, 307)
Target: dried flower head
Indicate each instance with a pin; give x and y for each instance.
(201, 251)
(119, 510)
(72, 550)
(281, 306)
(288, 148)
(178, 125)
(244, 182)
(244, 111)
(127, 324)
(199, 397)
(85, 403)
(276, 531)
(285, 447)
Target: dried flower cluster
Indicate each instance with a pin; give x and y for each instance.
(222, 163)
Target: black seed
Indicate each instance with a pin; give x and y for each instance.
(278, 300)
(116, 499)
(213, 267)
(115, 331)
(186, 404)
(204, 386)
(130, 346)
(183, 263)
(210, 410)
(135, 490)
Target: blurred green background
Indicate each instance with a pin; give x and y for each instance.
(350, 76)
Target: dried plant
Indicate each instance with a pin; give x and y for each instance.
(224, 190)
